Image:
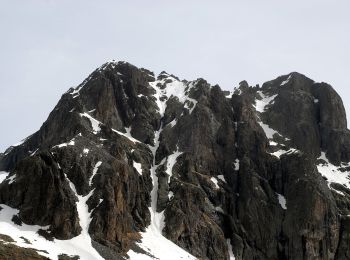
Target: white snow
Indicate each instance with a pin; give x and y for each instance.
(286, 81)
(221, 177)
(75, 91)
(272, 143)
(152, 240)
(260, 104)
(237, 164)
(279, 153)
(316, 100)
(194, 103)
(175, 88)
(173, 123)
(229, 95)
(160, 247)
(127, 134)
(96, 128)
(86, 151)
(95, 124)
(170, 194)
(11, 179)
(71, 142)
(219, 209)
(171, 160)
(138, 167)
(3, 176)
(282, 200)
(79, 245)
(33, 153)
(230, 252)
(268, 130)
(332, 172)
(94, 171)
(215, 181)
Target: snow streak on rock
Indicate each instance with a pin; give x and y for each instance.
(230, 252)
(94, 171)
(286, 81)
(95, 124)
(152, 240)
(261, 106)
(282, 201)
(215, 181)
(279, 153)
(332, 173)
(3, 176)
(127, 135)
(138, 167)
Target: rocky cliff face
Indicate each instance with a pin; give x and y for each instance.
(130, 165)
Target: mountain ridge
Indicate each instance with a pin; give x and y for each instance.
(127, 158)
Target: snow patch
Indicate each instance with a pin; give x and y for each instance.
(230, 252)
(219, 209)
(3, 176)
(94, 171)
(138, 167)
(173, 88)
(221, 177)
(127, 134)
(272, 143)
(95, 124)
(215, 181)
(282, 200)
(171, 160)
(332, 172)
(170, 195)
(33, 153)
(229, 95)
(11, 179)
(71, 143)
(237, 164)
(86, 151)
(286, 81)
(260, 104)
(173, 123)
(269, 132)
(80, 245)
(279, 153)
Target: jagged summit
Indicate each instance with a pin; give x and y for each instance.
(129, 164)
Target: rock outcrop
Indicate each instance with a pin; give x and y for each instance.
(127, 158)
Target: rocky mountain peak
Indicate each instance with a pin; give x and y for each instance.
(129, 164)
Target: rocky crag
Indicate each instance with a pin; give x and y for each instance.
(133, 165)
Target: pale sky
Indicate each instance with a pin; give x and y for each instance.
(48, 46)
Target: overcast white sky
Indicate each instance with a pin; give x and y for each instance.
(48, 46)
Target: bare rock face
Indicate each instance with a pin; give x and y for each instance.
(42, 194)
(260, 173)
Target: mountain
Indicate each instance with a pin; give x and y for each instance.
(133, 165)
